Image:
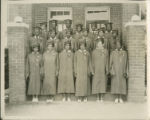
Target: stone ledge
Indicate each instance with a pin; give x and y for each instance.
(12, 24)
(138, 23)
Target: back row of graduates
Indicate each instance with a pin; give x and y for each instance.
(73, 59)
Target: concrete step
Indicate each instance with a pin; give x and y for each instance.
(107, 97)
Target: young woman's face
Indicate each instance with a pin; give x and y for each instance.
(35, 49)
(36, 32)
(101, 33)
(118, 45)
(53, 34)
(53, 25)
(109, 28)
(50, 46)
(85, 33)
(96, 32)
(79, 28)
(43, 27)
(93, 27)
(114, 34)
(82, 46)
(67, 46)
(68, 25)
(68, 34)
(100, 45)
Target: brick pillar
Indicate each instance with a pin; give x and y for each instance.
(17, 37)
(128, 10)
(136, 53)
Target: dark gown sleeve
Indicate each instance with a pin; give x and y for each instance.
(107, 63)
(90, 64)
(93, 61)
(126, 64)
(41, 66)
(57, 64)
(111, 68)
(75, 64)
(27, 70)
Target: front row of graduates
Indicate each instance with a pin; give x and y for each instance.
(80, 65)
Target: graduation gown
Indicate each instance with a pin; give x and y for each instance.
(92, 35)
(77, 36)
(36, 39)
(66, 72)
(89, 43)
(62, 35)
(34, 69)
(100, 69)
(44, 35)
(50, 67)
(118, 67)
(73, 43)
(106, 44)
(83, 69)
(57, 44)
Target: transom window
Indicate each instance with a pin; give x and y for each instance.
(60, 14)
(100, 15)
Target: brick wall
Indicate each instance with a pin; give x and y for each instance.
(136, 53)
(40, 12)
(128, 10)
(22, 10)
(17, 37)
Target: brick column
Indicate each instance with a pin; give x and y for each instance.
(128, 10)
(17, 37)
(136, 53)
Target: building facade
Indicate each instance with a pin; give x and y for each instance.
(132, 35)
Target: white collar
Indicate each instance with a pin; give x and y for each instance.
(52, 38)
(68, 38)
(36, 36)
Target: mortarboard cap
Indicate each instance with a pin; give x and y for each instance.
(68, 21)
(67, 43)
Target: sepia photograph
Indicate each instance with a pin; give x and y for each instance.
(74, 60)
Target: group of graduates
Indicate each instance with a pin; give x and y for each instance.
(66, 62)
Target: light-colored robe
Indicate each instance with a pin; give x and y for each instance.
(100, 69)
(83, 69)
(118, 67)
(66, 72)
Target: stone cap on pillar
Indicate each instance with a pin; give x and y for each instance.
(135, 21)
(18, 22)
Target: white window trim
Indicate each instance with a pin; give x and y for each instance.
(97, 9)
(58, 9)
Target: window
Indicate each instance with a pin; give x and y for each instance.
(59, 14)
(100, 15)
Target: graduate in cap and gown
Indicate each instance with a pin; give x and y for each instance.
(68, 24)
(44, 33)
(66, 72)
(101, 35)
(114, 39)
(34, 70)
(71, 40)
(50, 67)
(36, 38)
(53, 26)
(100, 61)
(85, 38)
(83, 70)
(58, 46)
(78, 33)
(119, 72)
(92, 33)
